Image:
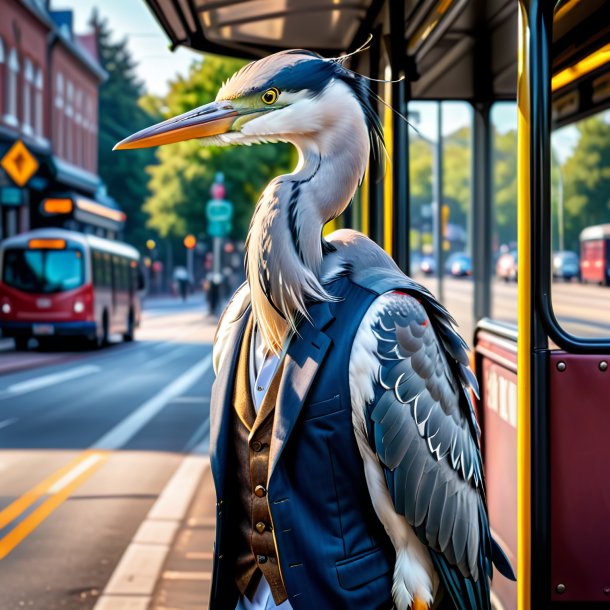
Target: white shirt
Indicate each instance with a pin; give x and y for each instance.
(261, 369)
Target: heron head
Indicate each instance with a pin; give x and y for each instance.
(286, 96)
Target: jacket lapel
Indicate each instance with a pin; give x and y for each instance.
(301, 363)
(220, 404)
(242, 398)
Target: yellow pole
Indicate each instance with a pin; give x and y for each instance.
(364, 205)
(388, 224)
(524, 321)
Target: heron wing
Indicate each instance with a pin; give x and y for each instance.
(422, 425)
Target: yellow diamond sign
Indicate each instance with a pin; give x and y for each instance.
(19, 163)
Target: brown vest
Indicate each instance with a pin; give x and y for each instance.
(256, 552)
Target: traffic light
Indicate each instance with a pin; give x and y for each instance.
(190, 241)
(150, 244)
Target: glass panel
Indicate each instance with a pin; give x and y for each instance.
(455, 289)
(504, 188)
(580, 199)
(43, 271)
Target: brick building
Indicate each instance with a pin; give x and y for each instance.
(49, 81)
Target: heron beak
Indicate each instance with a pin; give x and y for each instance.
(210, 120)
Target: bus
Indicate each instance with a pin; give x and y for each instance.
(595, 254)
(57, 284)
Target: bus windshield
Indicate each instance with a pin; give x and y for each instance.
(43, 271)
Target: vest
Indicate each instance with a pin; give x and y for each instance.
(256, 553)
(332, 551)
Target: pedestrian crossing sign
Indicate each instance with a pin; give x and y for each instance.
(19, 163)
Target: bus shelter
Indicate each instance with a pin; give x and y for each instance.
(544, 384)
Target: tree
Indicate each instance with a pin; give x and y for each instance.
(180, 183)
(505, 186)
(586, 177)
(119, 116)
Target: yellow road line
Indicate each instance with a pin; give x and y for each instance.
(60, 484)
(13, 510)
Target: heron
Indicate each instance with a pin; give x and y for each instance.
(409, 378)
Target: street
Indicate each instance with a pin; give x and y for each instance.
(583, 310)
(90, 440)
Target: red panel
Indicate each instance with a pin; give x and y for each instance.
(580, 478)
(499, 418)
(55, 307)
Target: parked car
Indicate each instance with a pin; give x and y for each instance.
(459, 264)
(506, 267)
(428, 265)
(566, 265)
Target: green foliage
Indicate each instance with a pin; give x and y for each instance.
(120, 115)
(180, 183)
(456, 175)
(586, 178)
(457, 150)
(505, 186)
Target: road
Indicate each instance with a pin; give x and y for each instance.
(583, 310)
(90, 442)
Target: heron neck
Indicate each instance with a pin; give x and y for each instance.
(285, 246)
(322, 186)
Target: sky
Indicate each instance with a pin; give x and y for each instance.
(132, 19)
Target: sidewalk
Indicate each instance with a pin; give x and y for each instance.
(184, 582)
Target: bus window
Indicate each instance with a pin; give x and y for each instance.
(455, 172)
(504, 188)
(125, 274)
(96, 268)
(107, 271)
(43, 271)
(580, 203)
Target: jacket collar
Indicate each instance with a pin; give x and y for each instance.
(220, 403)
(301, 365)
(302, 361)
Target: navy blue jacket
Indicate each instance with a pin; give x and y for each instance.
(333, 551)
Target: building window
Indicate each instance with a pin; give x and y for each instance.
(38, 101)
(2, 82)
(78, 128)
(28, 81)
(59, 113)
(69, 119)
(10, 115)
(91, 120)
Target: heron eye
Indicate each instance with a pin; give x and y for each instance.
(270, 96)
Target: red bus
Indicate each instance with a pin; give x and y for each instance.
(595, 254)
(57, 283)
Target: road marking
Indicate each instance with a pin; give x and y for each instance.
(21, 504)
(45, 381)
(200, 440)
(138, 570)
(198, 400)
(7, 422)
(168, 357)
(174, 501)
(86, 464)
(60, 486)
(124, 431)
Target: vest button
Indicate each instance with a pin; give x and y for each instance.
(257, 446)
(261, 559)
(260, 491)
(260, 527)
